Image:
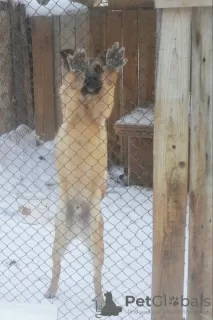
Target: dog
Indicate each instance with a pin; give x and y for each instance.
(110, 308)
(87, 98)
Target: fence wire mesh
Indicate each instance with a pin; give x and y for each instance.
(61, 132)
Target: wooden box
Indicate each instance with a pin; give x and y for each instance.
(138, 127)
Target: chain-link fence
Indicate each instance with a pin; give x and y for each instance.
(75, 150)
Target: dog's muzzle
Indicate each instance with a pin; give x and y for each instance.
(92, 85)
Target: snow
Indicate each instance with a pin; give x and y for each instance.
(53, 7)
(28, 312)
(143, 116)
(28, 178)
(140, 116)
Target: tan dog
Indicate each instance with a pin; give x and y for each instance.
(87, 97)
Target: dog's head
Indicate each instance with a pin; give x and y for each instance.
(93, 80)
(108, 295)
(93, 74)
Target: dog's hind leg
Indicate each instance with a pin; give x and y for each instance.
(96, 247)
(63, 236)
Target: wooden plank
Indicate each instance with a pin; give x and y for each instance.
(57, 68)
(201, 169)
(114, 34)
(147, 54)
(68, 31)
(18, 66)
(68, 34)
(43, 77)
(98, 32)
(127, 4)
(82, 21)
(171, 161)
(158, 27)
(130, 72)
(7, 109)
(182, 3)
(28, 83)
(130, 76)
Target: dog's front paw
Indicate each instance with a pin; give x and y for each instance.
(50, 294)
(78, 62)
(115, 57)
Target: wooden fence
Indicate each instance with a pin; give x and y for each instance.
(16, 99)
(95, 30)
(185, 64)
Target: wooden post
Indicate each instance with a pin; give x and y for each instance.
(82, 25)
(57, 69)
(171, 162)
(113, 34)
(147, 52)
(130, 72)
(43, 77)
(201, 169)
(18, 64)
(68, 31)
(68, 34)
(28, 91)
(97, 32)
(7, 108)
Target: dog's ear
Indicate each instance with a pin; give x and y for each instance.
(64, 54)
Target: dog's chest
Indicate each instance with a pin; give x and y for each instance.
(82, 141)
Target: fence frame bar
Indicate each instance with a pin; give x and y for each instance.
(182, 3)
(171, 160)
(200, 269)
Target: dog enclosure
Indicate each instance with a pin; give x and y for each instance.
(158, 206)
(95, 29)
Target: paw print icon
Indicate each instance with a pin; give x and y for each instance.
(174, 301)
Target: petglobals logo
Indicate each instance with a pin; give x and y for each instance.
(140, 306)
(109, 308)
(159, 301)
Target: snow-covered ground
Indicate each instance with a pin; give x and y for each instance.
(28, 180)
(27, 311)
(53, 7)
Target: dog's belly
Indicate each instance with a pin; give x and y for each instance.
(81, 168)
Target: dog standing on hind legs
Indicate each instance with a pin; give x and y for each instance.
(87, 98)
